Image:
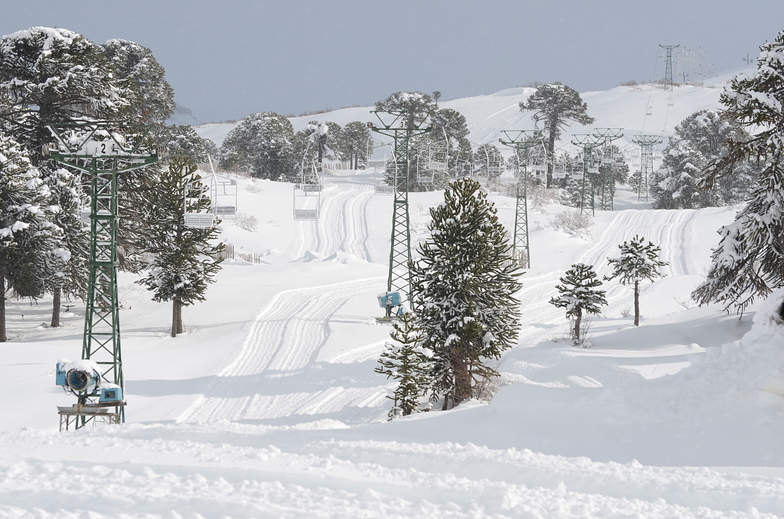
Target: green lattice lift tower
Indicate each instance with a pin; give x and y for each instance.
(402, 126)
(607, 169)
(522, 141)
(589, 142)
(103, 150)
(646, 142)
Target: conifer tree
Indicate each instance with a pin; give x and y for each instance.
(70, 276)
(405, 361)
(638, 261)
(29, 254)
(556, 105)
(357, 144)
(749, 261)
(488, 161)
(263, 145)
(579, 293)
(463, 289)
(185, 259)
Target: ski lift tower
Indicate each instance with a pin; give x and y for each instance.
(104, 150)
(401, 125)
(590, 143)
(607, 174)
(646, 142)
(521, 141)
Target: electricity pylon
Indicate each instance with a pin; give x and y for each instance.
(607, 172)
(646, 142)
(402, 126)
(104, 150)
(521, 141)
(589, 143)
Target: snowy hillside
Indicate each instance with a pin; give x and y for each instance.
(268, 405)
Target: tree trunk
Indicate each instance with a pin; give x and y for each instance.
(550, 153)
(3, 336)
(636, 303)
(462, 389)
(577, 321)
(176, 318)
(56, 296)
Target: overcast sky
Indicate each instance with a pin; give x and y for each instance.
(229, 58)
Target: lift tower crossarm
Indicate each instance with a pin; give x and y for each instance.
(104, 150)
(588, 142)
(401, 126)
(607, 191)
(521, 141)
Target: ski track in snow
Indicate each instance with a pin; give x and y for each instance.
(668, 229)
(342, 223)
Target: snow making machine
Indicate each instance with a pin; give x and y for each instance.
(392, 305)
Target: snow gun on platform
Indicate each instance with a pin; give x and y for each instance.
(96, 398)
(392, 304)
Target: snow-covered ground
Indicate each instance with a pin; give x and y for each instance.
(268, 405)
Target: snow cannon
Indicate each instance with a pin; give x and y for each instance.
(81, 378)
(388, 301)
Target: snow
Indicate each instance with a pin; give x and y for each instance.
(268, 405)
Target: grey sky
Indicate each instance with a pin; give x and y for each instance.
(229, 58)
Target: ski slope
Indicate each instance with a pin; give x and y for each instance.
(268, 405)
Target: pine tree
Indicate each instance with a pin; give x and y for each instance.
(263, 145)
(638, 261)
(749, 260)
(70, 275)
(406, 362)
(556, 105)
(185, 259)
(357, 145)
(579, 293)
(488, 161)
(181, 140)
(463, 289)
(699, 140)
(29, 255)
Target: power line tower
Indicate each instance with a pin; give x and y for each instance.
(646, 142)
(104, 150)
(522, 141)
(401, 125)
(607, 169)
(668, 64)
(590, 143)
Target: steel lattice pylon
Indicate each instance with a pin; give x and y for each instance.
(607, 174)
(646, 142)
(402, 126)
(103, 150)
(522, 141)
(589, 142)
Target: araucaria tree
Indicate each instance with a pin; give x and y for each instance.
(579, 292)
(749, 260)
(184, 259)
(405, 361)
(638, 261)
(556, 106)
(262, 145)
(463, 289)
(29, 252)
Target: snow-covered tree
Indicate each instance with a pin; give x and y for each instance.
(70, 275)
(181, 140)
(184, 259)
(405, 361)
(54, 75)
(488, 161)
(749, 260)
(698, 141)
(262, 145)
(556, 106)
(579, 293)
(138, 69)
(463, 290)
(638, 261)
(450, 128)
(29, 252)
(357, 144)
